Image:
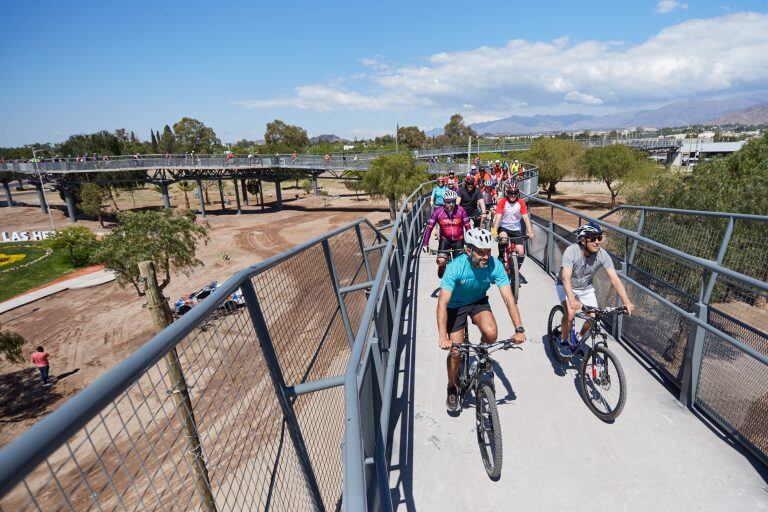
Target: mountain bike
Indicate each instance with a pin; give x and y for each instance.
(603, 386)
(477, 375)
(509, 259)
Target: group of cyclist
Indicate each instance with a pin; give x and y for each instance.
(490, 198)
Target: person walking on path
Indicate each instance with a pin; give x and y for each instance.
(40, 358)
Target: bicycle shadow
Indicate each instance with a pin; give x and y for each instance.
(469, 401)
(559, 369)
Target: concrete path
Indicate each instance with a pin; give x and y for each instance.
(84, 281)
(657, 456)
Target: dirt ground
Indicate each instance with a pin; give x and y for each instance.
(87, 331)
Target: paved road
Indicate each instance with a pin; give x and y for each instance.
(557, 456)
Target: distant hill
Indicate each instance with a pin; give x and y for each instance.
(679, 113)
(749, 116)
(329, 138)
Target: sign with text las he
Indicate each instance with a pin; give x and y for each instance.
(25, 236)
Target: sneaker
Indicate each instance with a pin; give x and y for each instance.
(452, 402)
(440, 272)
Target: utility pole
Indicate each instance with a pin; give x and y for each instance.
(469, 154)
(162, 317)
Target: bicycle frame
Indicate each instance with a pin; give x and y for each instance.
(595, 329)
(471, 378)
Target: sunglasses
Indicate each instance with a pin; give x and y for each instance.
(594, 238)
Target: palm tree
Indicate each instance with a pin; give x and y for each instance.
(186, 186)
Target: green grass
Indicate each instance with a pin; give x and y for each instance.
(22, 279)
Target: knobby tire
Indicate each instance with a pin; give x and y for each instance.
(488, 431)
(555, 317)
(616, 372)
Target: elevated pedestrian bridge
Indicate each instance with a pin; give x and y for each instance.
(327, 390)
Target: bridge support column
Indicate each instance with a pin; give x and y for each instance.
(245, 192)
(693, 354)
(221, 196)
(314, 185)
(261, 194)
(200, 196)
(166, 196)
(278, 195)
(41, 197)
(8, 197)
(70, 200)
(237, 196)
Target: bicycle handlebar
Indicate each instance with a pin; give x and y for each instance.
(523, 237)
(604, 311)
(505, 344)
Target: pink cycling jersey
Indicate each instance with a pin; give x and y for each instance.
(452, 225)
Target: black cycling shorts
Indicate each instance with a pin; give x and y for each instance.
(457, 317)
(446, 246)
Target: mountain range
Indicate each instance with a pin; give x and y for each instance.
(679, 113)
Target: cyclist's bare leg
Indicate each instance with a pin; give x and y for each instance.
(568, 317)
(486, 322)
(520, 250)
(452, 362)
(503, 239)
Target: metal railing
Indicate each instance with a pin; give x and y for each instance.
(347, 161)
(700, 317)
(273, 389)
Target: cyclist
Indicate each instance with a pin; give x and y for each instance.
(510, 210)
(451, 183)
(438, 192)
(463, 292)
(489, 198)
(574, 281)
(453, 222)
(471, 199)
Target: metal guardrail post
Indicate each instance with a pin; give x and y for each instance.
(707, 295)
(363, 252)
(618, 323)
(335, 282)
(550, 249)
(276, 375)
(693, 354)
(639, 231)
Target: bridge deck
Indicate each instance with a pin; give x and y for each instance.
(557, 455)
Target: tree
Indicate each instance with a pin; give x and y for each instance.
(192, 135)
(153, 141)
(285, 137)
(168, 238)
(10, 346)
(412, 137)
(167, 142)
(391, 177)
(456, 131)
(555, 159)
(355, 185)
(78, 241)
(92, 197)
(186, 186)
(617, 166)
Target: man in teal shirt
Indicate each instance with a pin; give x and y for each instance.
(438, 192)
(463, 293)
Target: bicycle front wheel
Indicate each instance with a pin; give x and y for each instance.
(603, 385)
(554, 336)
(488, 431)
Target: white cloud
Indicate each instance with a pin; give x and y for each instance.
(697, 57)
(665, 6)
(580, 97)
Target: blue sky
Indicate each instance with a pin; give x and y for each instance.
(358, 68)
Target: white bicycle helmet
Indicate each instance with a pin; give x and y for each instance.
(479, 238)
(450, 195)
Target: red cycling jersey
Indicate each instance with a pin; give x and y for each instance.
(511, 212)
(452, 226)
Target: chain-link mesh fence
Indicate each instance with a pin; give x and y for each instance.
(136, 454)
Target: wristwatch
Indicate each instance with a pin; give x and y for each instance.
(520, 330)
